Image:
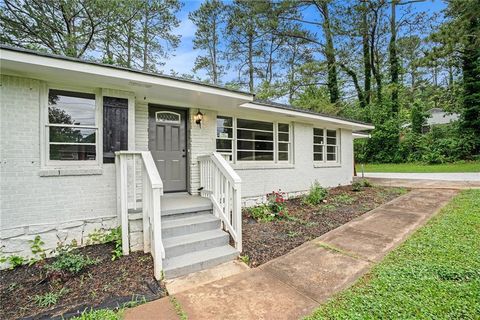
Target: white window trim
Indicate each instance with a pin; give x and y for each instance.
(46, 163)
(325, 163)
(258, 163)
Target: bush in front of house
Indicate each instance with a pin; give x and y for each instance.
(70, 262)
(316, 194)
(274, 209)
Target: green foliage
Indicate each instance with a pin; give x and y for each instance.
(316, 194)
(460, 166)
(343, 199)
(274, 209)
(70, 262)
(16, 261)
(49, 298)
(356, 186)
(245, 258)
(418, 117)
(37, 249)
(113, 235)
(434, 274)
(103, 314)
(178, 308)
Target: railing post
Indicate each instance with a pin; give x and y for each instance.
(123, 204)
(145, 210)
(157, 233)
(237, 213)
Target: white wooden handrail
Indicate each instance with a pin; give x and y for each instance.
(152, 190)
(222, 185)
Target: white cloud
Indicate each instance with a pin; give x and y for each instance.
(186, 29)
(182, 62)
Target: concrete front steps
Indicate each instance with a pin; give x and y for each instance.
(192, 236)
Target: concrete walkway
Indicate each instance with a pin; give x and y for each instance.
(293, 285)
(424, 183)
(447, 176)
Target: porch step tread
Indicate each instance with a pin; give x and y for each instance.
(193, 237)
(189, 220)
(199, 260)
(184, 203)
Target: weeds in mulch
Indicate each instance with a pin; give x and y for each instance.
(264, 240)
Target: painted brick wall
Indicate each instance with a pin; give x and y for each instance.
(26, 197)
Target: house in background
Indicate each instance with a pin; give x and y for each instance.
(86, 147)
(436, 117)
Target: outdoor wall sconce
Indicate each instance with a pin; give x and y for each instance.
(199, 118)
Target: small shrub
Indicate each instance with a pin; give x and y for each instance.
(245, 259)
(366, 183)
(261, 213)
(50, 298)
(343, 199)
(316, 194)
(274, 209)
(114, 235)
(357, 186)
(16, 261)
(70, 262)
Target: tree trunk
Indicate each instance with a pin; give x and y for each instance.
(145, 39)
(250, 63)
(330, 55)
(366, 56)
(394, 67)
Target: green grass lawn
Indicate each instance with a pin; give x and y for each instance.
(468, 166)
(435, 274)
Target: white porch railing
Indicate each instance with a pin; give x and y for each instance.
(222, 185)
(152, 190)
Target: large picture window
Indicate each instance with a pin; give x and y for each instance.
(71, 127)
(253, 140)
(325, 145)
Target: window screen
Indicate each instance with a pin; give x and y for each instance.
(115, 127)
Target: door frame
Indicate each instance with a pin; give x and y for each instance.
(187, 139)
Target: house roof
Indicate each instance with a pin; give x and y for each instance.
(139, 76)
(155, 74)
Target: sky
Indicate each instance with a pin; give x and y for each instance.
(183, 58)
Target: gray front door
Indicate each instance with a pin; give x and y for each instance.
(167, 143)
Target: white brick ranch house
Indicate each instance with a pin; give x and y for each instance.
(86, 146)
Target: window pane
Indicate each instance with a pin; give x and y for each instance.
(254, 145)
(224, 121)
(66, 134)
(224, 144)
(253, 124)
(72, 152)
(283, 147)
(264, 156)
(317, 148)
(224, 132)
(318, 140)
(254, 135)
(283, 156)
(71, 108)
(318, 156)
(331, 156)
(115, 127)
(318, 132)
(245, 156)
(331, 149)
(331, 141)
(283, 137)
(283, 127)
(331, 133)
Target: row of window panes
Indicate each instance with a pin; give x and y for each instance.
(254, 139)
(319, 146)
(72, 128)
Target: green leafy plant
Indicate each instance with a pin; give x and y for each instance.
(114, 235)
(261, 213)
(357, 186)
(343, 199)
(104, 314)
(16, 261)
(244, 258)
(293, 234)
(70, 262)
(50, 298)
(316, 194)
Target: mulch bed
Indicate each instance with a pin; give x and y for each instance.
(107, 284)
(264, 241)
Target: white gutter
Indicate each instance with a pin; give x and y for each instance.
(310, 116)
(357, 135)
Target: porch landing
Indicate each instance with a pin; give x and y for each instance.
(179, 203)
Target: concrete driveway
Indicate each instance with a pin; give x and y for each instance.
(293, 285)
